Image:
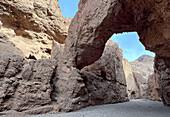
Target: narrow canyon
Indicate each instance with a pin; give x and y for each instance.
(51, 64)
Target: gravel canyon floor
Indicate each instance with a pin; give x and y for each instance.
(134, 108)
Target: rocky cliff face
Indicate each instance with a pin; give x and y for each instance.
(137, 84)
(154, 87)
(97, 20)
(32, 25)
(144, 65)
(132, 88)
(162, 65)
(34, 30)
(100, 83)
(76, 77)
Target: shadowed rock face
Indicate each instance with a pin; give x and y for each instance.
(100, 83)
(97, 20)
(162, 64)
(154, 86)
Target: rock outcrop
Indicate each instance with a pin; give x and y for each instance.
(32, 25)
(144, 65)
(142, 85)
(154, 87)
(97, 20)
(86, 70)
(132, 88)
(25, 85)
(162, 65)
(100, 83)
(137, 83)
(107, 76)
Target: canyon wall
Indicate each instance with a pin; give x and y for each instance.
(32, 25)
(97, 20)
(85, 69)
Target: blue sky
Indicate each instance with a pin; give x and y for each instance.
(128, 42)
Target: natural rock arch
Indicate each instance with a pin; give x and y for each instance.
(97, 20)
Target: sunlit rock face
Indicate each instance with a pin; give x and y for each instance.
(97, 20)
(144, 65)
(132, 89)
(32, 25)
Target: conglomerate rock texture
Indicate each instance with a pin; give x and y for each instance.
(162, 65)
(96, 21)
(32, 25)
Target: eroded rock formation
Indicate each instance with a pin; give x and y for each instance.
(97, 20)
(144, 65)
(132, 88)
(136, 77)
(162, 65)
(85, 71)
(100, 83)
(32, 25)
(154, 87)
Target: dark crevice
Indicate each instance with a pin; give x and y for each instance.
(52, 85)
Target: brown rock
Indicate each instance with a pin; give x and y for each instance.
(100, 83)
(34, 25)
(25, 85)
(154, 87)
(162, 65)
(97, 20)
(108, 76)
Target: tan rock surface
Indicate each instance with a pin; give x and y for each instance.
(144, 65)
(142, 85)
(34, 25)
(132, 89)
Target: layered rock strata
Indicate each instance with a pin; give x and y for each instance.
(32, 25)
